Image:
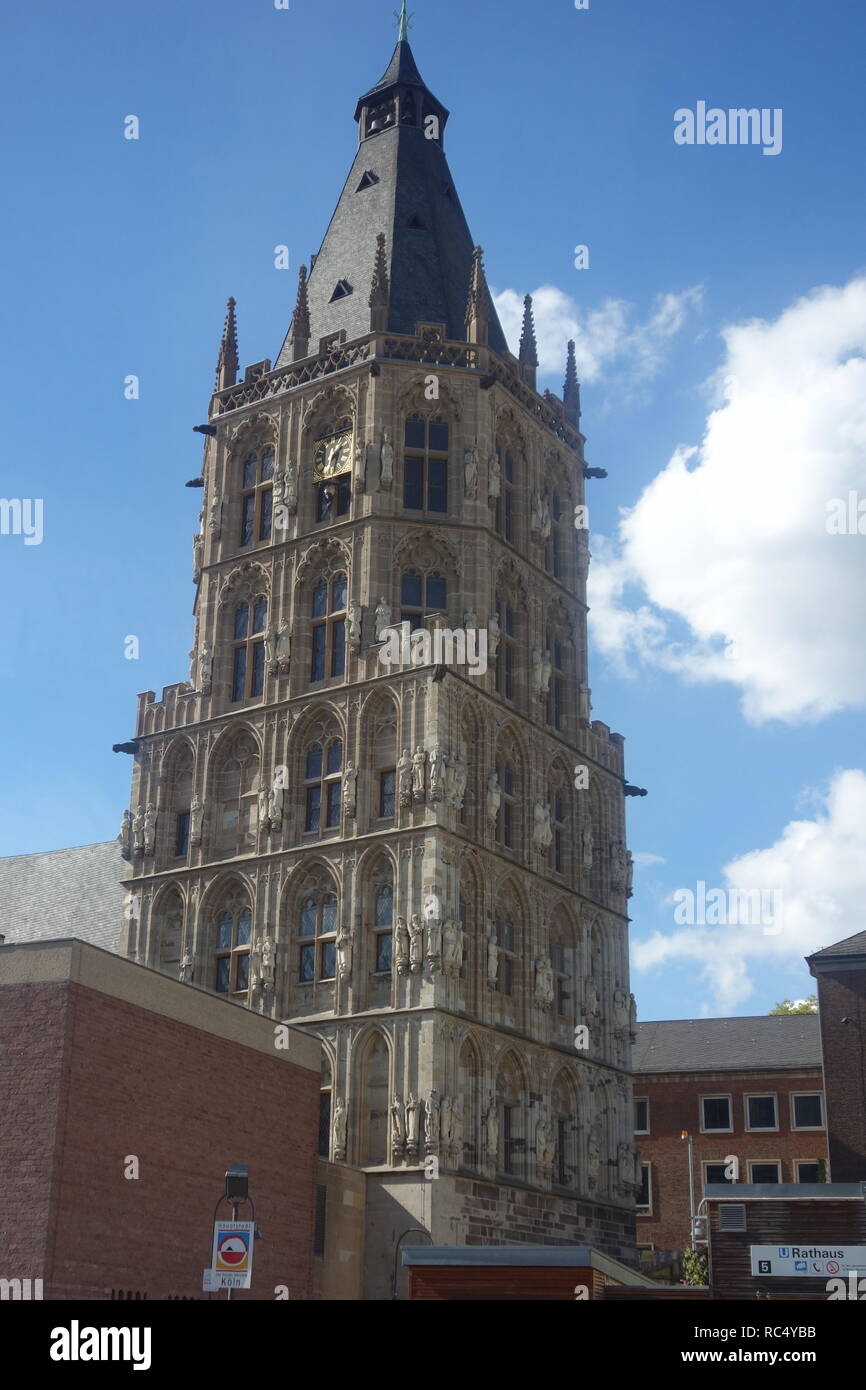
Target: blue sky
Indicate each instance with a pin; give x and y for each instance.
(122, 254)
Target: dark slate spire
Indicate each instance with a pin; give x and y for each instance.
(299, 333)
(528, 345)
(379, 289)
(571, 390)
(399, 185)
(227, 362)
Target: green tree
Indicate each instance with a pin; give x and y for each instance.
(695, 1268)
(799, 1006)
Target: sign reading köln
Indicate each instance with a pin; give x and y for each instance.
(807, 1261)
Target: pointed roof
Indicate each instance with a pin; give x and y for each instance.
(571, 390)
(227, 362)
(528, 344)
(399, 186)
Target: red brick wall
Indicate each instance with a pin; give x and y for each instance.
(843, 995)
(185, 1102)
(674, 1106)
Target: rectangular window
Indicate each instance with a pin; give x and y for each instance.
(223, 974)
(509, 1148)
(715, 1172)
(383, 953)
(561, 1150)
(333, 816)
(641, 1115)
(248, 519)
(317, 668)
(314, 808)
(387, 793)
(644, 1197)
(413, 484)
(181, 836)
(764, 1172)
(437, 489)
(329, 960)
(338, 652)
(266, 514)
(258, 681)
(243, 979)
(307, 971)
(239, 674)
(761, 1112)
(324, 1124)
(320, 1221)
(715, 1113)
(808, 1172)
(808, 1111)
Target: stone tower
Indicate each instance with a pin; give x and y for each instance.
(379, 808)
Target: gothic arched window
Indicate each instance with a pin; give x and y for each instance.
(248, 650)
(505, 502)
(323, 770)
(329, 629)
(383, 923)
(233, 938)
(169, 927)
(556, 689)
(557, 816)
(507, 656)
(317, 935)
(505, 823)
(503, 935)
(236, 782)
(421, 595)
(257, 495)
(326, 1090)
(375, 1073)
(425, 465)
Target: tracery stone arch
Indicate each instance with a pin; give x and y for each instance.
(322, 560)
(512, 1102)
(322, 729)
(413, 400)
(244, 583)
(511, 763)
(466, 1106)
(233, 784)
(168, 920)
(312, 916)
(566, 1129)
(372, 1065)
(377, 795)
(226, 933)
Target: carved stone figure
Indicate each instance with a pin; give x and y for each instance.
(359, 471)
(432, 1113)
(138, 833)
(494, 476)
(264, 808)
(150, 829)
(632, 1017)
(545, 1144)
(491, 1128)
(494, 797)
(546, 518)
(344, 951)
(470, 470)
(184, 974)
(544, 981)
(276, 799)
(350, 788)
(270, 648)
(446, 1121)
(216, 515)
(419, 762)
(586, 846)
(536, 516)
(629, 874)
(457, 1126)
(432, 908)
(196, 820)
(452, 945)
(621, 1010)
(492, 960)
(436, 775)
(546, 672)
(398, 1126)
(383, 618)
(413, 1115)
(353, 622)
(401, 946)
(205, 668)
(584, 702)
(470, 620)
(457, 790)
(283, 649)
(339, 1127)
(592, 999)
(197, 556)
(494, 636)
(290, 495)
(618, 867)
(416, 945)
(537, 674)
(386, 461)
(266, 949)
(404, 778)
(434, 941)
(542, 831)
(125, 836)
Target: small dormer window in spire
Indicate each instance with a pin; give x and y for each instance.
(342, 290)
(415, 224)
(367, 181)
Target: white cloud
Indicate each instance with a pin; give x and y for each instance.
(724, 570)
(643, 860)
(819, 868)
(610, 337)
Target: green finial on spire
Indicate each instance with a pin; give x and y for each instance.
(403, 18)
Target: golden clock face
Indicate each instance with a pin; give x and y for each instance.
(332, 456)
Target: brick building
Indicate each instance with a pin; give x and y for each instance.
(104, 1063)
(748, 1088)
(840, 972)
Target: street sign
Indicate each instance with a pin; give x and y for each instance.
(232, 1260)
(808, 1261)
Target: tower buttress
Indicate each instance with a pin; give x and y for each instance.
(227, 362)
(528, 345)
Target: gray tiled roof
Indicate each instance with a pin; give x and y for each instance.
(728, 1044)
(851, 946)
(63, 893)
(429, 265)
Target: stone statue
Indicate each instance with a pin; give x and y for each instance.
(592, 999)
(491, 1129)
(419, 760)
(383, 618)
(125, 836)
(457, 1126)
(401, 946)
(434, 941)
(446, 1122)
(545, 1145)
(270, 648)
(432, 908)
(586, 846)
(437, 768)
(264, 807)
(494, 636)
(583, 555)
(290, 494)
(544, 981)
(404, 778)
(492, 959)
(632, 1017)
(537, 672)
(150, 829)
(470, 470)
(138, 833)
(629, 874)
(350, 788)
(546, 672)
(413, 1115)
(283, 649)
(431, 1123)
(584, 702)
(494, 476)
(359, 472)
(196, 819)
(266, 949)
(276, 798)
(398, 1125)
(452, 938)
(459, 776)
(216, 515)
(353, 622)
(546, 519)
(344, 951)
(494, 797)
(470, 620)
(184, 974)
(536, 517)
(621, 1010)
(386, 461)
(542, 833)
(340, 1126)
(416, 945)
(618, 867)
(205, 668)
(197, 556)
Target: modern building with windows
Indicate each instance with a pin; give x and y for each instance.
(422, 865)
(749, 1092)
